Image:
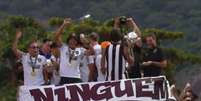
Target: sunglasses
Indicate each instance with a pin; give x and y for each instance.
(34, 47)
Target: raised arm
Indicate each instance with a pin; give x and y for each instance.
(127, 54)
(58, 33)
(15, 49)
(134, 26)
(116, 23)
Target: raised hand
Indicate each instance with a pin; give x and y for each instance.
(58, 33)
(130, 22)
(15, 49)
(116, 23)
(18, 34)
(67, 21)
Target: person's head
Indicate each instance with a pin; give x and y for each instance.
(82, 38)
(115, 35)
(46, 45)
(33, 48)
(83, 41)
(94, 37)
(72, 41)
(151, 41)
(188, 94)
(55, 49)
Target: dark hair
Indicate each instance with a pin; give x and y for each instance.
(46, 40)
(72, 36)
(54, 45)
(94, 36)
(31, 42)
(115, 35)
(151, 35)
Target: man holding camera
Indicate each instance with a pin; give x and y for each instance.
(116, 55)
(134, 37)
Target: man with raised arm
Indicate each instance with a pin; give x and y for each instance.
(33, 63)
(70, 56)
(115, 56)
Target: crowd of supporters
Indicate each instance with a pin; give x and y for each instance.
(82, 58)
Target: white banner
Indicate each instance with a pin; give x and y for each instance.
(144, 89)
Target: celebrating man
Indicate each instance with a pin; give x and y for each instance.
(33, 63)
(70, 56)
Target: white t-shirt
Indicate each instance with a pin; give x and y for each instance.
(30, 78)
(84, 70)
(97, 49)
(101, 76)
(70, 68)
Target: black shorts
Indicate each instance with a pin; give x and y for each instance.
(68, 80)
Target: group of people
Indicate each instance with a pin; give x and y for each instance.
(82, 58)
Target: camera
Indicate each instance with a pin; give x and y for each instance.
(123, 20)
